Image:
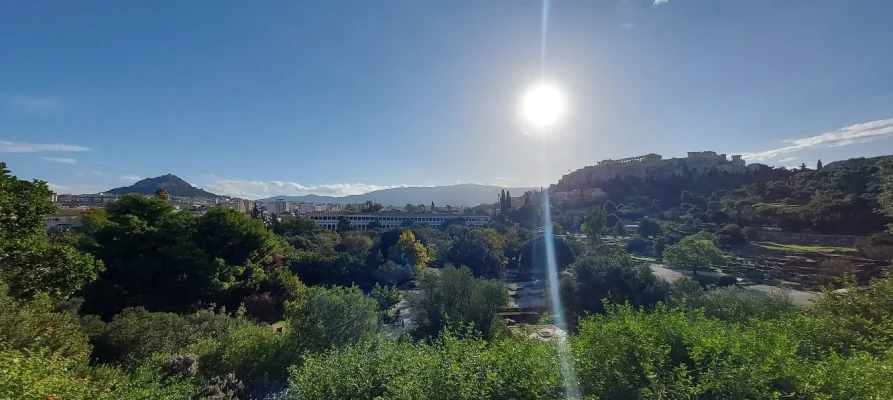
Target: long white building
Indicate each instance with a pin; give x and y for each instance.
(329, 220)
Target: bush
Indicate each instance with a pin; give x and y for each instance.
(449, 367)
(752, 233)
(615, 278)
(727, 280)
(227, 387)
(452, 297)
(35, 324)
(186, 364)
(638, 245)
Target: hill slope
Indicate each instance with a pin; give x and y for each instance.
(172, 183)
(455, 195)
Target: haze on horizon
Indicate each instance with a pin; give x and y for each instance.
(341, 97)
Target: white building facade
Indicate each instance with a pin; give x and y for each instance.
(329, 220)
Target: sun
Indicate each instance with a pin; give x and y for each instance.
(542, 105)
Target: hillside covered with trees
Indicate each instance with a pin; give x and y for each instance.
(144, 302)
(839, 198)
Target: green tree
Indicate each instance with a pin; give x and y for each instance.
(619, 229)
(385, 296)
(886, 197)
(454, 297)
(613, 278)
(343, 224)
(693, 252)
(534, 258)
(648, 227)
(409, 251)
(161, 193)
(373, 225)
(167, 261)
(29, 262)
(594, 225)
(482, 250)
(325, 318)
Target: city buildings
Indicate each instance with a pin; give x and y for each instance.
(64, 220)
(389, 219)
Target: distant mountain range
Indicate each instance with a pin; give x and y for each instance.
(454, 195)
(172, 183)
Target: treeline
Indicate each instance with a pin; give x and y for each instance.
(147, 303)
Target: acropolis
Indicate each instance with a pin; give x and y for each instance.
(654, 165)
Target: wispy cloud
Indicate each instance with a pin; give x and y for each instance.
(627, 26)
(260, 189)
(17, 147)
(31, 104)
(129, 178)
(787, 159)
(858, 133)
(62, 160)
(659, 2)
(56, 188)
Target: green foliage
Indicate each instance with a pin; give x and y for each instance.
(594, 225)
(385, 296)
(693, 252)
(166, 261)
(649, 228)
(451, 367)
(613, 278)
(37, 324)
(453, 297)
(324, 318)
(135, 334)
(33, 265)
(533, 255)
(30, 262)
(481, 250)
(409, 251)
(343, 224)
(619, 228)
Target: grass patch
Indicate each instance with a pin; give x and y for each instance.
(804, 248)
(644, 258)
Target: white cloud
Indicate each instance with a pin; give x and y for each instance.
(17, 147)
(261, 189)
(61, 160)
(858, 133)
(56, 188)
(31, 104)
(787, 159)
(628, 25)
(659, 2)
(129, 178)
(97, 172)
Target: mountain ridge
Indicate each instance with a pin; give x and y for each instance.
(467, 194)
(174, 185)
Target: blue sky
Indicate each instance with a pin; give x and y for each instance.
(342, 97)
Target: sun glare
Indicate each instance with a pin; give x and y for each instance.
(542, 105)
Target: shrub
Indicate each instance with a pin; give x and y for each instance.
(186, 364)
(727, 280)
(35, 324)
(262, 307)
(227, 387)
(637, 244)
(455, 297)
(752, 233)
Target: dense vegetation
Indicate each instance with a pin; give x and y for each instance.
(144, 302)
(839, 198)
